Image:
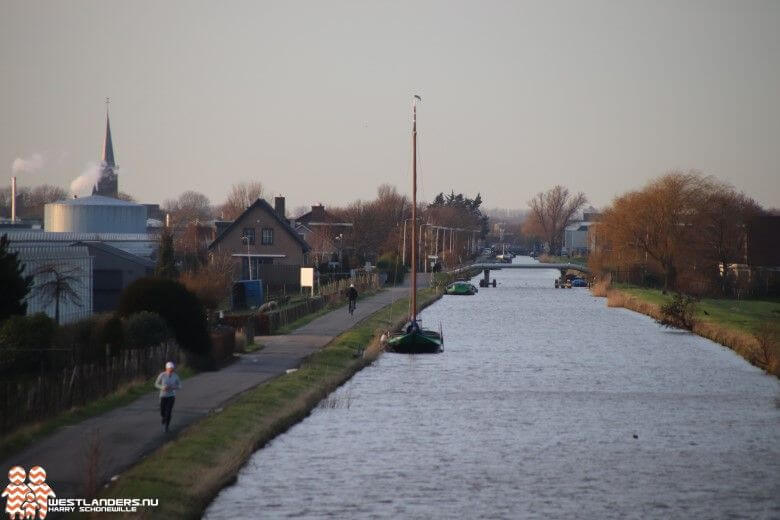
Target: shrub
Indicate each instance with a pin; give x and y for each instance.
(83, 339)
(679, 312)
(390, 264)
(442, 280)
(180, 309)
(145, 329)
(211, 288)
(24, 341)
(767, 354)
(601, 287)
(111, 333)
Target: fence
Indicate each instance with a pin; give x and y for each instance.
(747, 283)
(280, 277)
(36, 397)
(268, 322)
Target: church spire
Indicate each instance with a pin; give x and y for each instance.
(108, 146)
(108, 183)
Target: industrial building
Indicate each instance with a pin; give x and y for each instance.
(95, 214)
(99, 239)
(112, 271)
(73, 262)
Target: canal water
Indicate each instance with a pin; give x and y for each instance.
(544, 404)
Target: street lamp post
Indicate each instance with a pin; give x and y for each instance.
(245, 238)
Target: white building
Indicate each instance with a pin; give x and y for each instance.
(575, 238)
(73, 261)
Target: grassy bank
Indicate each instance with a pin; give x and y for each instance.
(18, 440)
(549, 259)
(737, 324)
(186, 474)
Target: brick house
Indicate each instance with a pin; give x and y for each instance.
(264, 246)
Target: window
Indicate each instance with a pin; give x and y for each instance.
(268, 236)
(249, 233)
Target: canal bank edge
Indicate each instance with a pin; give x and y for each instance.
(188, 473)
(741, 342)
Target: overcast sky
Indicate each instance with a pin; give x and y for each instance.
(313, 98)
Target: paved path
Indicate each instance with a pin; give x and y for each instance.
(128, 433)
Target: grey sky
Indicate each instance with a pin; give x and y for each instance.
(312, 98)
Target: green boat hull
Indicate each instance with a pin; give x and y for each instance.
(461, 289)
(419, 342)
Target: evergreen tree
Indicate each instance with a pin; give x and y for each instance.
(14, 286)
(166, 262)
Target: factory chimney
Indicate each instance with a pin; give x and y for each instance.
(13, 199)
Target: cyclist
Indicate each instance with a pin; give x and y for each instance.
(352, 295)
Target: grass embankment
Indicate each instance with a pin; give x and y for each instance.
(737, 324)
(549, 259)
(18, 440)
(187, 473)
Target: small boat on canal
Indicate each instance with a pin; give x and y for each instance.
(413, 338)
(461, 289)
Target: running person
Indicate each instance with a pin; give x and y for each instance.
(168, 382)
(352, 295)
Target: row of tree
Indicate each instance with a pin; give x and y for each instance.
(377, 229)
(379, 225)
(682, 231)
(192, 206)
(30, 201)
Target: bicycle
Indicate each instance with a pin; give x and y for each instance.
(352, 304)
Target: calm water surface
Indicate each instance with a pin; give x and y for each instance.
(531, 412)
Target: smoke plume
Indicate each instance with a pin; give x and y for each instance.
(32, 164)
(82, 185)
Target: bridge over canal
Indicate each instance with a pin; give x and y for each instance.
(487, 267)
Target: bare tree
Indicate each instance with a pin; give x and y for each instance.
(722, 239)
(241, 196)
(300, 210)
(57, 283)
(191, 206)
(31, 201)
(552, 211)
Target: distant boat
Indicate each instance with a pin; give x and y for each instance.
(413, 339)
(461, 289)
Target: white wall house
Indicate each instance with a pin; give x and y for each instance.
(575, 238)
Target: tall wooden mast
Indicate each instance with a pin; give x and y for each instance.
(413, 299)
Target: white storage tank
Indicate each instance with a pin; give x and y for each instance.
(95, 214)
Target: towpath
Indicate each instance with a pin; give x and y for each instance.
(126, 434)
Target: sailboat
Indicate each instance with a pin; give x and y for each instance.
(413, 338)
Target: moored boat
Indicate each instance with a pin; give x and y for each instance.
(413, 338)
(461, 289)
